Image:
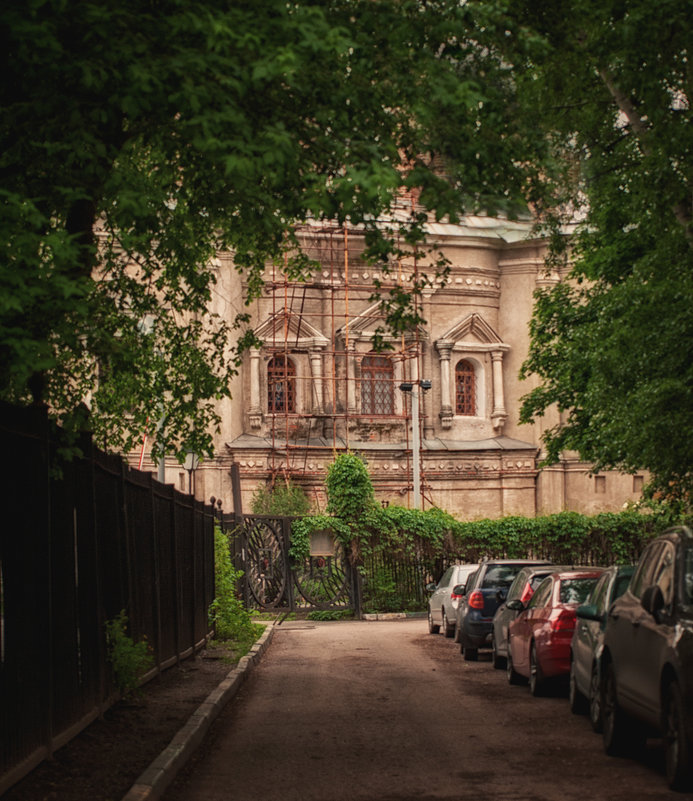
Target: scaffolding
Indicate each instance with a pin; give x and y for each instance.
(339, 297)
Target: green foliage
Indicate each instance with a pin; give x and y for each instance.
(330, 614)
(138, 140)
(231, 621)
(129, 660)
(611, 346)
(350, 492)
(282, 498)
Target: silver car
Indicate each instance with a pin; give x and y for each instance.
(442, 605)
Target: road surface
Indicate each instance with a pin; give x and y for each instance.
(384, 711)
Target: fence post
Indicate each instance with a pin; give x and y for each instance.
(286, 536)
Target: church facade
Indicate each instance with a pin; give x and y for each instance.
(315, 385)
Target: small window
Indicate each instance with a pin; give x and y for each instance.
(465, 388)
(543, 594)
(644, 573)
(576, 590)
(637, 484)
(281, 385)
(377, 385)
(600, 485)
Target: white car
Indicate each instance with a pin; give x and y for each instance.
(442, 605)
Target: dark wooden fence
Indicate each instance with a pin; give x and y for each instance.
(80, 548)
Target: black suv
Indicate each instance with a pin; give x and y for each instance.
(486, 589)
(647, 663)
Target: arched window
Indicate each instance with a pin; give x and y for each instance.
(465, 388)
(281, 386)
(377, 385)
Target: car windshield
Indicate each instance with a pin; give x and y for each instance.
(498, 576)
(688, 576)
(576, 590)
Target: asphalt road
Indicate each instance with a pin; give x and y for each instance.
(384, 711)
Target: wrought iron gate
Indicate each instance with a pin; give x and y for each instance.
(275, 581)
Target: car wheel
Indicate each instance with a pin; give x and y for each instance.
(536, 677)
(470, 654)
(513, 676)
(578, 702)
(433, 628)
(622, 736)
(678, 746)
(448, 631)
(595, 701)
(497, 660)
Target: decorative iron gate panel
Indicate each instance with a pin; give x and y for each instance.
(273, 581)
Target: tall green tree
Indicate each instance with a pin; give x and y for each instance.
(139, 138)
(610, 86)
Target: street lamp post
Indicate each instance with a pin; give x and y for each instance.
(413, 388)
(191, 463)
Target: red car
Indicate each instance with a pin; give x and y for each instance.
(539, 638)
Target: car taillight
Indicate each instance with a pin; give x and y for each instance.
(476, 600)
(563, 622)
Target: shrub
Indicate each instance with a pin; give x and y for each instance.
(232, 622)
(129, 660)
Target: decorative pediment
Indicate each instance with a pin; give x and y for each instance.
(364, 325)
(285, 327)
(474, 333)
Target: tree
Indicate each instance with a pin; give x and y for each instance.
(610, 86)
(141, 138)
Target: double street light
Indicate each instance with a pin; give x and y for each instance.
(413, 388)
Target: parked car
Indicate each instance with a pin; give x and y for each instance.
(588, 643)
(522, 589)
(647, 662)
(539, 638)
(486, 590)
(442, 605)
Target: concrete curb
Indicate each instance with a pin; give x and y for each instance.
(156, 778)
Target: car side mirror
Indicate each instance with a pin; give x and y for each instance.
(516, 605)
(459, 589)
(431, 587)
(589, 612)
(652, 600)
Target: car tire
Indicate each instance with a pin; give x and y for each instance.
(678, 746)
(622, 736)
(497, 660)
(470, 654)
(433, 628)
(447, 630)
(577, 701)
(537, 681)
(595, 700)
(513, 676)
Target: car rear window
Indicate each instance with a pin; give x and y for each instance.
(576, 590)
(498, 576)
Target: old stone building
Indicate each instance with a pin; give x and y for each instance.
(316, 386)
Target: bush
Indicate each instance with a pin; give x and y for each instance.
(129, 660)
(231, 621)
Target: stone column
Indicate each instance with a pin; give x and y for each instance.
(351, 382)
(499, 415)
(316, 380)
(255, 411)
(445, 351)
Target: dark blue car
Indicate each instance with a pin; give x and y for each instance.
(486, 590)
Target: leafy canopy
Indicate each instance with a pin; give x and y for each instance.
(611, 82)
(141, 138)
